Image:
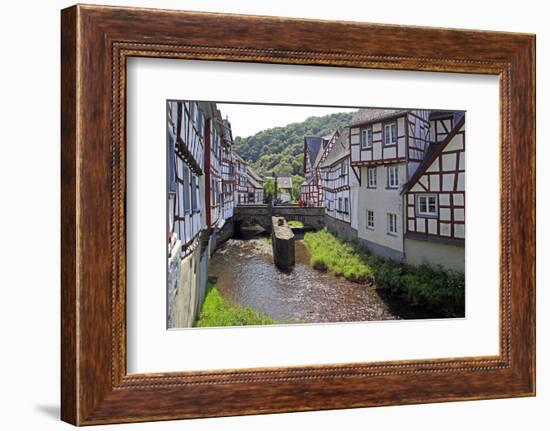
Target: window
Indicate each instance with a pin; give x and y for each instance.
(366, 138)
(343, 168)
(393, 177)
(371, 178)
(186, 190)
(370, 219)
(171, 165)
(392, 224)
(339, 204)
(390, 133)
(215, 193)
(426, 205)
(346, 205)
(194, 202)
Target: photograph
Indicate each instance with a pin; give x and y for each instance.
(295, 214)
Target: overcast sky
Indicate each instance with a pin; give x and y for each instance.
(248, 119)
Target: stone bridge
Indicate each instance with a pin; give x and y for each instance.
(313, 217)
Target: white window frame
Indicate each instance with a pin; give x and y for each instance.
(427, 197)
(346, 205)
(395, 176)
(369, 218)
(392, 127)
(340, 204)
(371, 179)
(366, 138)
(392, 223)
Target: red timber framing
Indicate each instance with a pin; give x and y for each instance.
(335, 178)
(336, 188)
(312, 192)
(435, 195)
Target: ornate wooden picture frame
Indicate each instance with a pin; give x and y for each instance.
(96, 41)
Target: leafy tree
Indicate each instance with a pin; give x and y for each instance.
(269, 190)
(297, 181)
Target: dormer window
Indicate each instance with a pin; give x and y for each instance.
(390, 133)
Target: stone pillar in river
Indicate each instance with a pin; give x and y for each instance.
(282, 240)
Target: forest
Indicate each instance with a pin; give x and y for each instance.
(280, 149)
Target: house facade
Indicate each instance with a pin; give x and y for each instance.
(255, 187)
(228, 172)
(387, 146)
(203, 173)
(435, 199)
(241, 179)
(187, 210)
(316, 149)
(393, 180)
(337, 183)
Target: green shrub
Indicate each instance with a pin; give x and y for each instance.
(434, 288)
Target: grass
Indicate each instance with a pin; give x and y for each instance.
(295, 223)
(434, 288)
(217, 311)
(329, 253)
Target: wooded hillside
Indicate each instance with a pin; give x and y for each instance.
(280, 149)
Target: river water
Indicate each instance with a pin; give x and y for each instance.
(245, 275)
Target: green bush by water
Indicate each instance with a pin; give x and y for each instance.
(435, 288)
(217, 311)
(295, 223)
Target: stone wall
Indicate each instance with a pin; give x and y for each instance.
(340, 228)
(261, 214)
(449, 256)
(344, 231)
(185, 298)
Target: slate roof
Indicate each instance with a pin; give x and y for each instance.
(369, 115)
(257, 178)
(339, 150)
(239, 158)
(457, 115)
(326, 138)
(254, 183)
(284, 182)
(313, 145)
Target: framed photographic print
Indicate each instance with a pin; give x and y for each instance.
(317, 215)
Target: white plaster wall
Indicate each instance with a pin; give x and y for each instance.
(382, 201)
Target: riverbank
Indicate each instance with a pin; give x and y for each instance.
(436, 289)
(217, 311)
(245, 275)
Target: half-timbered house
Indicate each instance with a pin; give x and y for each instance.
(316, 149)
(241, 179)
(228, 172)
(255, 187)
(387, 147)
(335, 180)
(213, 166)
(187, 259)
(435, 198)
